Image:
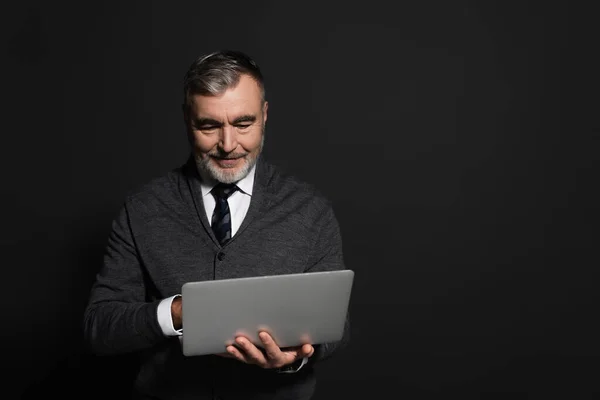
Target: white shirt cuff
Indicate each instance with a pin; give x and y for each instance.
(304, 361)
(165, 320)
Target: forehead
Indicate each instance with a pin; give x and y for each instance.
(244, 98)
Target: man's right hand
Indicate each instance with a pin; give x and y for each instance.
(176, 312)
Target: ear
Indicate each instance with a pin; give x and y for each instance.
(265, 109)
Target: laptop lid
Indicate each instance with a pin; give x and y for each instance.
(294, 308)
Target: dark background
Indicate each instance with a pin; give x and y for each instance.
(456, 140)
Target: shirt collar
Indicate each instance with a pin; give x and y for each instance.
(246, 184)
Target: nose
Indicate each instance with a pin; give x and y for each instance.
(228, 142)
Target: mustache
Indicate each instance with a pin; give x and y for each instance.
(227, 156)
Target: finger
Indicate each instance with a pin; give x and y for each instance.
(306, 350)
(295, 353)
(251, 353)
(235, 353)
(273, 351)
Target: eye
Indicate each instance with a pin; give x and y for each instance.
(243, 126)
(207, 128)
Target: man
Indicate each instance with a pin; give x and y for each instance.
(226, 213)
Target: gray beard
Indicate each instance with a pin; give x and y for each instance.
(207, 168)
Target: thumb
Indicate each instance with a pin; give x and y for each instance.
(306, 351)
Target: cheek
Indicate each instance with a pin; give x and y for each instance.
(251, 142)
(203, 143)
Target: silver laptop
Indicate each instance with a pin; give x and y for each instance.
(294, 308)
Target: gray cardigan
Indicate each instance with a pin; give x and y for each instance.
(162, 239)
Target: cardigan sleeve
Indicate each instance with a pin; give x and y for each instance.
(118, 318)
(327, 255)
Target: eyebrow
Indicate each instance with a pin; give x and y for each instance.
(244, 118)
(206, 121)
(214, 122)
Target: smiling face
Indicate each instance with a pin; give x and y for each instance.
(226, 131)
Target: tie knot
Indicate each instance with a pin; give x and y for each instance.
(224, 190)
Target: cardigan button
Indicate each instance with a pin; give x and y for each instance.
(221, 256)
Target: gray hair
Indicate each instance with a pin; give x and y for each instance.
(212, 74)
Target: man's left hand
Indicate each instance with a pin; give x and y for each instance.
(271, 356)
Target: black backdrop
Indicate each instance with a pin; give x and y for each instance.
(456, 140)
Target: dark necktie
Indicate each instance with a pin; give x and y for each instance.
(221, 218)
